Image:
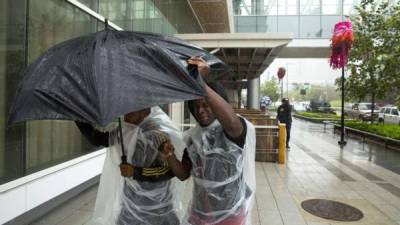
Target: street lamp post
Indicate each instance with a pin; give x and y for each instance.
(342, 142)
(341, 42)
(287, 80)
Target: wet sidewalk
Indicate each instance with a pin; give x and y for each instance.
(363, 176)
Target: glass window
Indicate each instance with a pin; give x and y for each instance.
(117, 11)
(28, 147)
(93, 5)
(51, 142)
(387, 111)
(247, 24)
(138, 9)
(288, 7)
(12, 64)
(267, 24)
(262, 25)
(288, 24)
(310, 7)
(140, 15)
(138, 25)
(327, 25)
(395, 112)
(310, 27)
(245, 10)
(157, 25)
(270, 8)
(113, 10)
(330, 7)
(348, 6)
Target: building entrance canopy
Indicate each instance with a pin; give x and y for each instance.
(247, 54)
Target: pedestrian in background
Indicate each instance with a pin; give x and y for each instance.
(284, 115)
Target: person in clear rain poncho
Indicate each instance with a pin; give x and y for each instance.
(219, 155)
(141, 192)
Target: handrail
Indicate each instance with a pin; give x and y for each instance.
(92, 13)
(255, 126)
(318, 120)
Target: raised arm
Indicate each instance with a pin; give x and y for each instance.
(222, 109)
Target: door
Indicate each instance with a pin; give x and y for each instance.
(395, 116)
(387, 115)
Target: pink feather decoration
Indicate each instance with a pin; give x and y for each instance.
(341, 42)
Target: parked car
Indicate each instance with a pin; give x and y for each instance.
(319, 106)
(362, 111)
(389, 115)
(348, 107)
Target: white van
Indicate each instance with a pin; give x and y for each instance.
(389, 115)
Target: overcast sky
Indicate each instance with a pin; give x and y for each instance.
(303, 71)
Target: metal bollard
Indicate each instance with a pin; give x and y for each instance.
(282, 143)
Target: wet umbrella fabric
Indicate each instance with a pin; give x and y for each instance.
(101, 76)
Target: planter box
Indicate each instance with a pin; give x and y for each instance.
(267, 139)
(387, 142)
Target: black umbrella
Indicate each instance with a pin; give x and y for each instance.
(101, 76)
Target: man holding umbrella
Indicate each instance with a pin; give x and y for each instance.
(144, 194)
(219, 156)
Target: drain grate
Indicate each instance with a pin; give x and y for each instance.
(332, 210)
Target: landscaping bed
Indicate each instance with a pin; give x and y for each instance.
(316, 117)
(387, 130)
(387, 135)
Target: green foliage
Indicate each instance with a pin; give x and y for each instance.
(374, 57)
(318, 115)
(270, 88)
(316, 92)
(336, 103)
(391, 131)
(398, 102)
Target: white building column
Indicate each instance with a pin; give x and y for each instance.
(233, 97)
(253, 93)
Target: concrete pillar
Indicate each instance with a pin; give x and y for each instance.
(239, 93)
(253, 93)
(232, 96)
(177, 113)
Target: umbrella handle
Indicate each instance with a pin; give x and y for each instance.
(123, 157)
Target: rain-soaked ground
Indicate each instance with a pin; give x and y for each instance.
(363, 150)
(361, 176)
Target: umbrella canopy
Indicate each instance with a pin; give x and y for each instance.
(101, 76)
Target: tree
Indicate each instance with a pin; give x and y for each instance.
(270, 88)
(315, 92)
(398, 102)
(372, 61)
(392, 56)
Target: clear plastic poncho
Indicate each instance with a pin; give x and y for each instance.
(223, 176)
(123, 201)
